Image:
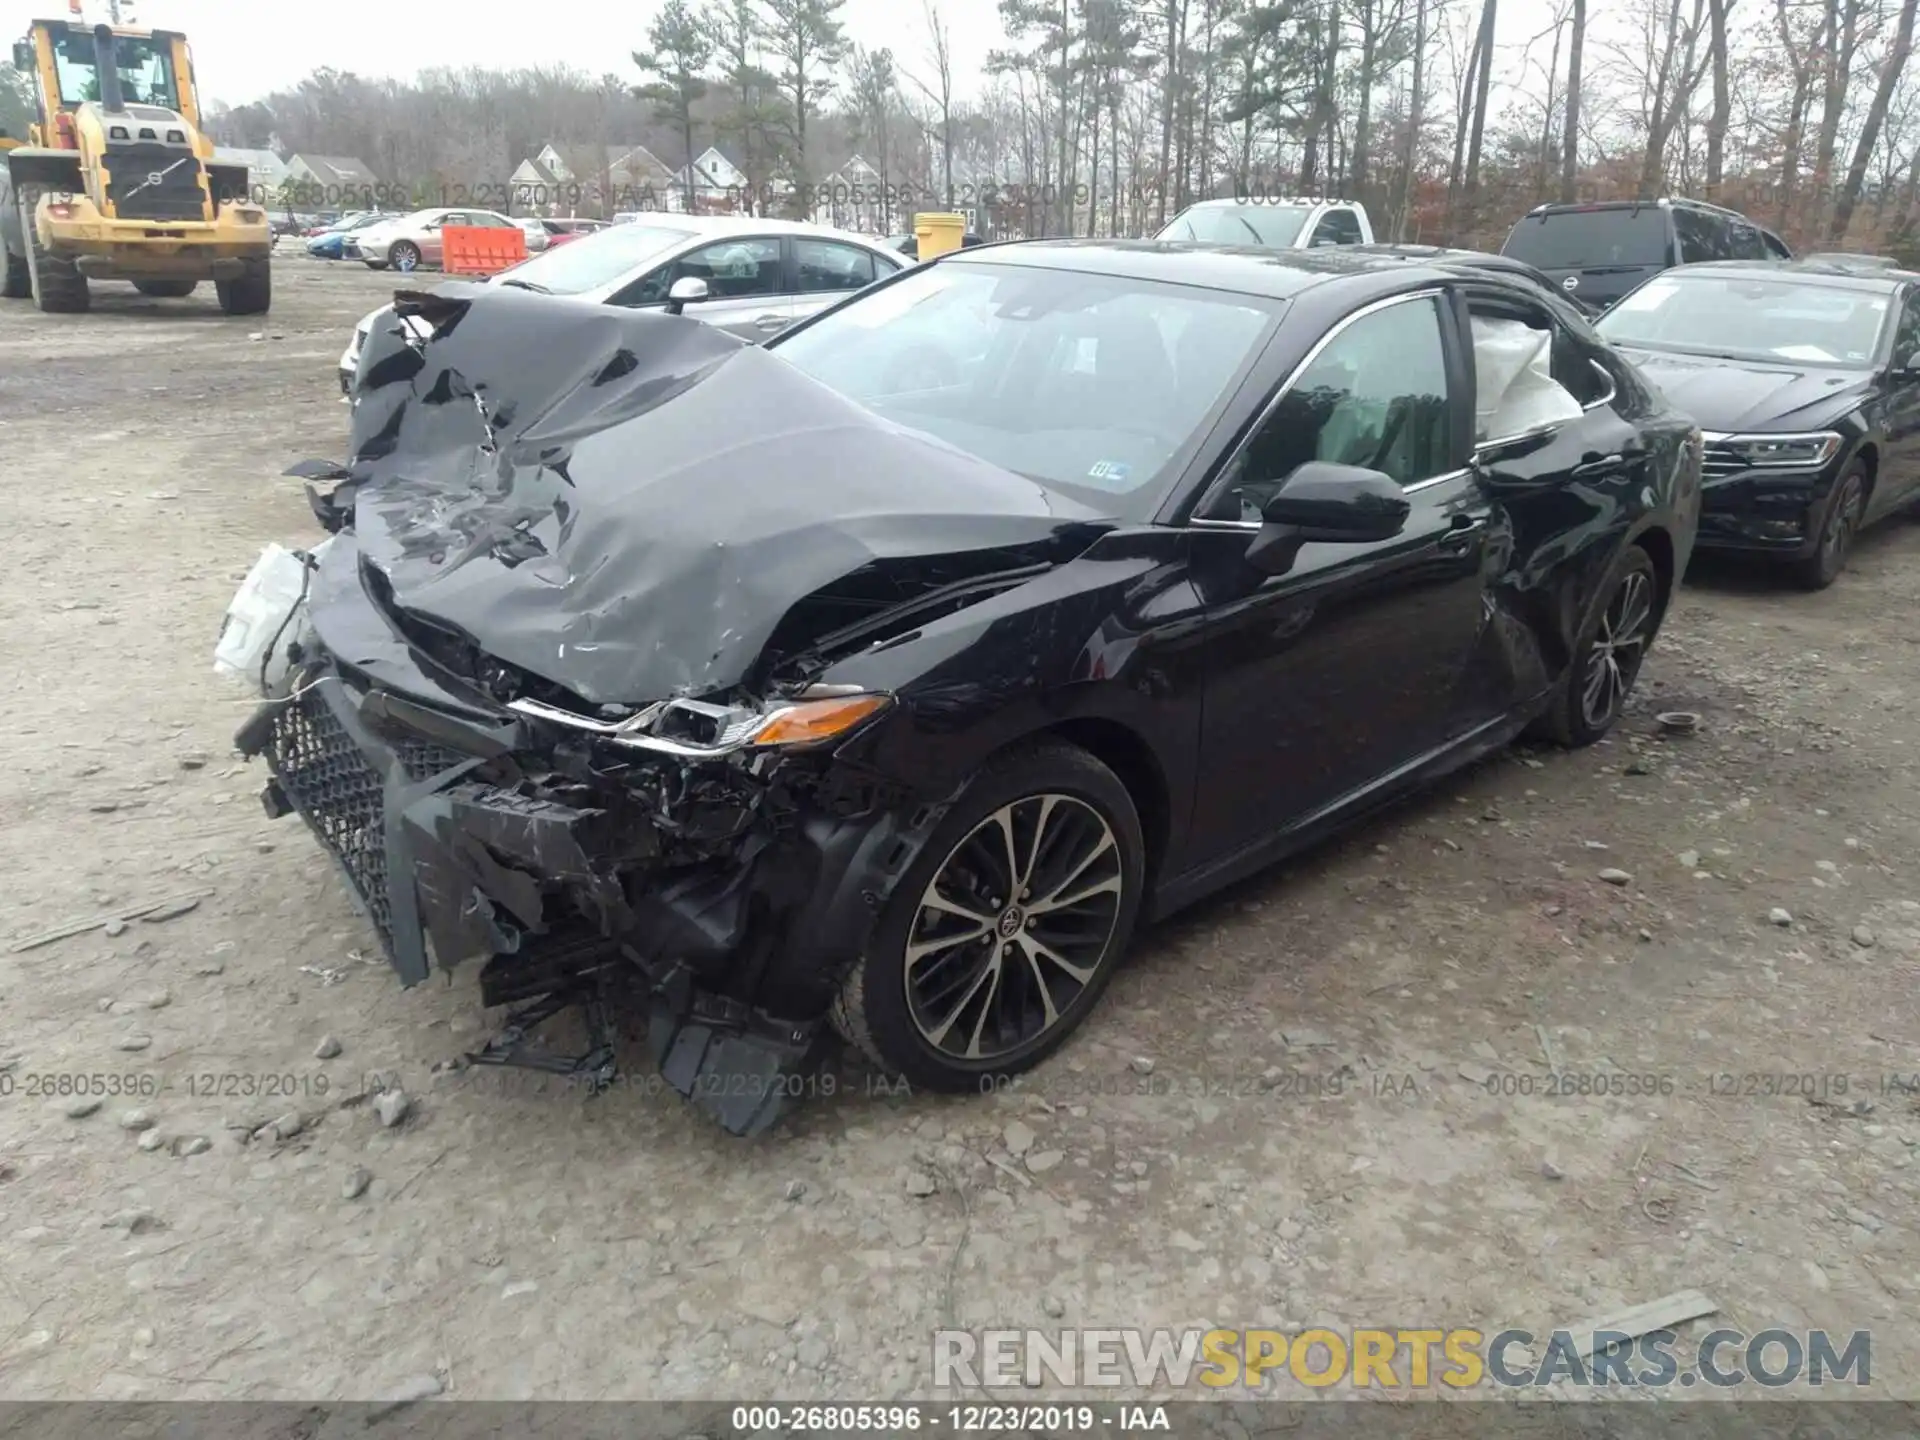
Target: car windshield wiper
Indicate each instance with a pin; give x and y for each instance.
(528, 285)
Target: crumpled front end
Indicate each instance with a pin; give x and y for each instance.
(555, 702)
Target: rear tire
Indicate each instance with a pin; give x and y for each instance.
(1609, 653)
(167, 289)
(1839, 523)
(997, 989)
(55, 281)
(404, 256)
(250, 292)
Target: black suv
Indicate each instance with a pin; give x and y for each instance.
(1602, 251)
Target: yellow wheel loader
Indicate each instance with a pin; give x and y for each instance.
(117, 182)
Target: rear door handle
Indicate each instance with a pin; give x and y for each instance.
(769, 322)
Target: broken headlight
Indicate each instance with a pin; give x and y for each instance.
(696, 729)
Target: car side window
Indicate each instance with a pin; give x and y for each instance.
(1336, 227)
(1774, 247)
(1375, 396)
(452, 217)
(825, 265)
(1699, 239)
(1745, 243)
(733, 270)
(1530, 370)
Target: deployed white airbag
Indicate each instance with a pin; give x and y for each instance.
(1517, 392)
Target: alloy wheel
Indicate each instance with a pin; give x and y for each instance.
(1013, 926)
(405, 257)
(1618, 648)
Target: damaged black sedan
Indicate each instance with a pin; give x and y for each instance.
(885, 678)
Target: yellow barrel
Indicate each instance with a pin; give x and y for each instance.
(935, 233)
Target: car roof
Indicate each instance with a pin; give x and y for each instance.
(1665, 202)
(1246, 269)
(1877, 280)
(745, 225)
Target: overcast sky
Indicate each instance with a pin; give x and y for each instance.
(245, 48)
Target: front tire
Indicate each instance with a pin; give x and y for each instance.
(1001, 936)
(55, 282)
(404, 256)
(167, 289)
(1609, 653)
(1839, 523)
(248, 293)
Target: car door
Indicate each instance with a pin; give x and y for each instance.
(1899, 478)
(432, 252)
(746, 285)
(1324, 681)
(1558, 479)
(825, 272)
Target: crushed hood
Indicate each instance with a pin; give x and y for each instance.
(627, 504)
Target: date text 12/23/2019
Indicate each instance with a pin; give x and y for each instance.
(938, 1416)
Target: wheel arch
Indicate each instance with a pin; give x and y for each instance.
(1126, 752)
(1658, 544)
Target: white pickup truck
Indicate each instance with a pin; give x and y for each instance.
(1277, 224)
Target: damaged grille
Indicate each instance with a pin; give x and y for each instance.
(342, 796)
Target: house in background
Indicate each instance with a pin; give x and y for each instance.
(719, 186)
(266, 171)
(590, 180)
(853, 197)
(339, 181)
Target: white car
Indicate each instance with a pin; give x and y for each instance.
(538, 236)
(1272, 224)
(760, 275)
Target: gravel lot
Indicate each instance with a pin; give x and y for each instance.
(1184, 1161)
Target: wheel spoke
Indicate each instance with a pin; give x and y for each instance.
(1056, 901)
(987, 971)
(1003, 822)
(934, 900)
(996, 967)
(1038, 950)
(1027, 951)
(1051, 900)
(1596, 681)
(920, 951)
(1047, 803)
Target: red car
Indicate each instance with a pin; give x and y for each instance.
(564, 230)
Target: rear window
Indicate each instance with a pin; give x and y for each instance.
(1587, 239)
(1275, 226)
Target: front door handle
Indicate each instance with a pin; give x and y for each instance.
(1464, 534)
(769, 322)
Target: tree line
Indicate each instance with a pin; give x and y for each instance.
(1106, 117)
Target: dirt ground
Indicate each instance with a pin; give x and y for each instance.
(517, 1240)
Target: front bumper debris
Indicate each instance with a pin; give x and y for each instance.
(450, 858)
(1773, 514)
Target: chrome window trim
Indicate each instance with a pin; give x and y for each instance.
(1435, 293)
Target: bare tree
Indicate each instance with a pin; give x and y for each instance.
(1722, 116)
(940, 93)
(1891, 69)
(1570, 129)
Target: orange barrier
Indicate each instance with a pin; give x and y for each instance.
(480, 249)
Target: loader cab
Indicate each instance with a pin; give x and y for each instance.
(152, 68)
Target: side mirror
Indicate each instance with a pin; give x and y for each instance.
(23, 55)
(687, 290)
(1327, 503)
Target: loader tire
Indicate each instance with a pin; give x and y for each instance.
(248, 293)
(166, 289)
(56, 283)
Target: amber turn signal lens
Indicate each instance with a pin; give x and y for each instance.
(818, 720)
